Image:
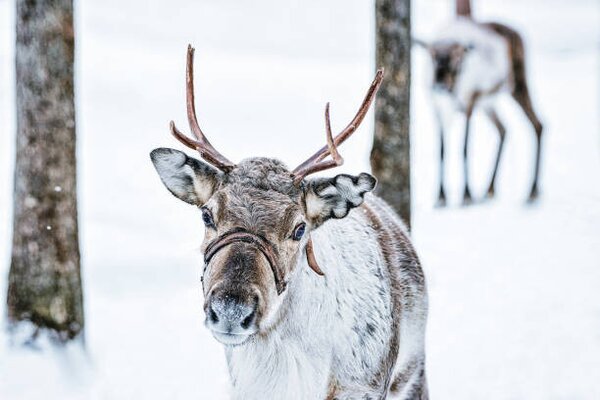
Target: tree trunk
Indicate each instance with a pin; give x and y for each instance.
(390, 156)
(44, 281)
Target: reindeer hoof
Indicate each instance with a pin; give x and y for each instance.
(467, 199)
(533, 195)
(490, 193)
(440, 203)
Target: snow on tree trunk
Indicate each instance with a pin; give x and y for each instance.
(390, 156)
(44, 280)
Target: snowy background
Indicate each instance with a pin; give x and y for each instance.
(514, 289)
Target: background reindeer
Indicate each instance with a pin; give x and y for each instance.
(290, 332)
(472, 63)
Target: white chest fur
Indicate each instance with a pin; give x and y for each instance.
(278, 368)
(337, 328)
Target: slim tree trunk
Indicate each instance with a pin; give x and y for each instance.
(44, 281)
(390, 156)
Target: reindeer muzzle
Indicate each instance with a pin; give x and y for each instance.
(240, 235)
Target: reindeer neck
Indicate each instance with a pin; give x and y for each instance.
(292, 360)
(297, 358)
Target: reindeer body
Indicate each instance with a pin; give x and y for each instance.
(343, 319)
(473, 63)
(353, 334)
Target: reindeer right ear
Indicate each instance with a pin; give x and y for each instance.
(326, 198)
(188, 179)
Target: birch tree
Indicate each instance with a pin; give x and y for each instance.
(44, 279)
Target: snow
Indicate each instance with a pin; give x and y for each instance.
(515, 307)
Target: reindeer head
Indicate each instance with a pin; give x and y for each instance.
(448, 57)
(258, 217)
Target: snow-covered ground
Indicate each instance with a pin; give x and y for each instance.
(515, 300)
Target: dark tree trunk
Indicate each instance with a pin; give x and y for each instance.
(390, 156)
(44, 282)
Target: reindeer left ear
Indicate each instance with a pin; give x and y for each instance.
(186, 178)
(326, 198)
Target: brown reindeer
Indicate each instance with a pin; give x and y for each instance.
(343, 319)
(473, 62)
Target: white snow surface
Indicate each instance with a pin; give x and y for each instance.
(514, 289)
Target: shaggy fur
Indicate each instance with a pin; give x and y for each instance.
(355, 333)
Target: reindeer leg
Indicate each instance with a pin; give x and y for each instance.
(493, 116)
(521, 95)
(410, 384)
(467, 198)
(441, 201)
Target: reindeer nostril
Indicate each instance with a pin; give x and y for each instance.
(212, 315)
(248, 320)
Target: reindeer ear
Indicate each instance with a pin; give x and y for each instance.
(326, 198)
(188, 179)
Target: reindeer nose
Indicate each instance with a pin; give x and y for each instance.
(232, 314)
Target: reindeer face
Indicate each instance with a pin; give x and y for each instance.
(257, 226)
(447, 59)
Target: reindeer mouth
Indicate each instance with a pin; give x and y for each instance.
(231, 339)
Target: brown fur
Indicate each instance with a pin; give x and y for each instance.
(520, 92)
(396, 249)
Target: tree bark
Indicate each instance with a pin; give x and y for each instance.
(390, 156)
(44, 280)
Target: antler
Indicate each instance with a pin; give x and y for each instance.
(315, 162)
(201, 143)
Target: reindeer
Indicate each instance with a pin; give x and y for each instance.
(473, 62)
(341, 319)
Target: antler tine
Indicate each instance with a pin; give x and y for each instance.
(331, 146)
(336, 160)
(196, 145)
(201, 144)
(313, 164)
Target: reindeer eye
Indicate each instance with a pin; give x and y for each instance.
(298, 231)
(207, 218)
